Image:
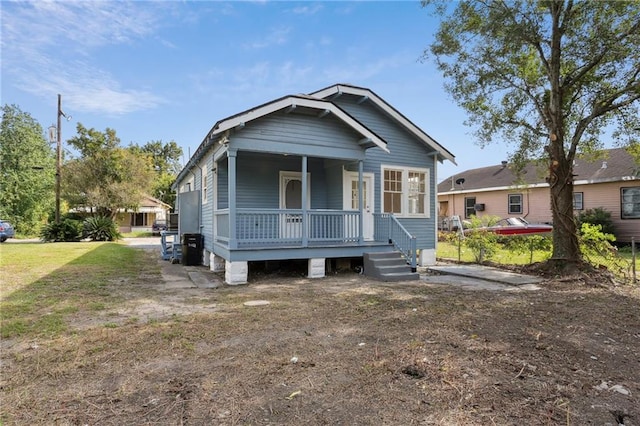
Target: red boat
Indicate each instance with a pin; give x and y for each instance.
(516, 226)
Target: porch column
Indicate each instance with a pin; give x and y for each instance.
(360, 203)
(233, 242)
(305, 236)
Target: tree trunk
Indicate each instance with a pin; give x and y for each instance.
(565, 235)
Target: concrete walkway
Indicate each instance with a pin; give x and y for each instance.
(486, 273)
(478, 277)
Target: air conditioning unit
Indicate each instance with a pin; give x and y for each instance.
(479, 207)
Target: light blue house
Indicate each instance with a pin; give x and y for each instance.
(338, 173)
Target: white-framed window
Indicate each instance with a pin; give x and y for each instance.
(405, 191)
(578, 201)
(515, 204)
(630, 202)
(417, 192)
(469, 207)
(205, 182)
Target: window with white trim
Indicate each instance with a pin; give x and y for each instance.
(204, 187)
(469, 207)
(630, 200)
(405, 191)
(417, 192)
(515, 204)
(578, 200)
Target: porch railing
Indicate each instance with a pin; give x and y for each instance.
(277, 227)
(387, 227)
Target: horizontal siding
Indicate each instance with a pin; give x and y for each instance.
(298, 133)
(405, 150)
(608, 196)
(206, 224)
(258, 180)
(537, 205)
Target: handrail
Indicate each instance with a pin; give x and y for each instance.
(401, 239)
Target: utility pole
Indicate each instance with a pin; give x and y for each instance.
(58, 158)
(55, 132)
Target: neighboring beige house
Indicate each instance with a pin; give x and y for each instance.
(150, 210)
(611, 182)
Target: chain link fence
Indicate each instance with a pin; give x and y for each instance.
(622, 262)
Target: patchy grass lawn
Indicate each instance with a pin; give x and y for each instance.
(138, 343)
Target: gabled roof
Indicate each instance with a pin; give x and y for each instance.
(336, 90)
(616, 165)
(150, 201)
(320, 101)
(290, 103)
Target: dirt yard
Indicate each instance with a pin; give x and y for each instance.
(343, 350)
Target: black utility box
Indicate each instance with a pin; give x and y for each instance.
(192, 245)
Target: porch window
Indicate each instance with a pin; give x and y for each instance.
(578, 198)
(630, 199)
(469, 207)
(515, 204)
(139, 219)
(405, 192)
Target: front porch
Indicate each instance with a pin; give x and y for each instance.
(275, 234)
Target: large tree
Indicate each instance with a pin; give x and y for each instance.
(27, 171)
(106, 177)
(555, 78)
(165, 158)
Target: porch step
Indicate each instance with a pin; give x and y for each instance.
(388, 266)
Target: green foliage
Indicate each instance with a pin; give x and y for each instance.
(594, 242)
(68, 230)
(480, 221)
(597, 216)
(552, 77)
(483, 244)
(106, 177)
(101, 228)
(27, 172)
(528, 244)
(597, 249)
(165, 158)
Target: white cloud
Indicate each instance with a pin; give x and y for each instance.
(276, 36)
(307, 10)
(47, 45)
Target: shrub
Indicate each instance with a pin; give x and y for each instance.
(528, 244)
(101, 228)
(597, 216)
(67, 230)
(483, 244)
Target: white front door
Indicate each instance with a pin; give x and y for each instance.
(291, 198)
(351, 199)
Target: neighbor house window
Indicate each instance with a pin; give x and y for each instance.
(578, 201)
(469, 207)
(405, 191)
(515, 203)
(630, 199)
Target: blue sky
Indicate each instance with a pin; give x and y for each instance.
(169, 70)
